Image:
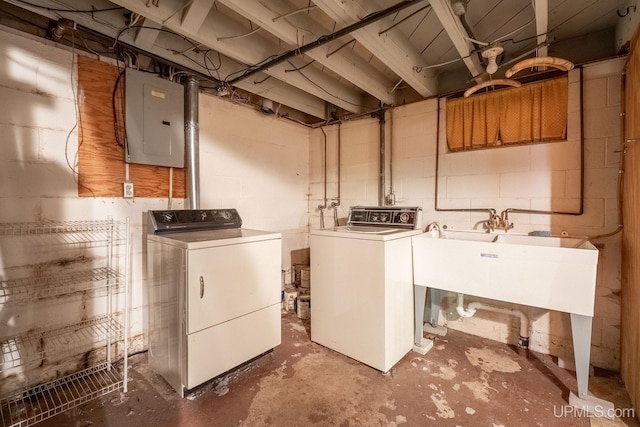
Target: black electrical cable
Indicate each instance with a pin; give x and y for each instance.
(323, 89)
(53, 9)
(113, 107)
(301, 50)
(193, 45)
(250, 67)
(163, 30)
(214, 67)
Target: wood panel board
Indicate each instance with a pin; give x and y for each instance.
(101, 164)
(630, 330)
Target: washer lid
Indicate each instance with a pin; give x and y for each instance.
(381, 234)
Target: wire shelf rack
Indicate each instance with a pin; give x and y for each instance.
(47, 400)
(58, 342)
(42, 348)
(83, 234)
(33, 288)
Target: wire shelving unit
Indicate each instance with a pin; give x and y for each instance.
(51, 344)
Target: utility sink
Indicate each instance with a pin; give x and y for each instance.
(556, 273)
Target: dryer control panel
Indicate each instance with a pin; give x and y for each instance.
(192, 219)
(388, 216)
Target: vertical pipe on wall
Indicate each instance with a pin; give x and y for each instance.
(382, 160)
(339, 160)
(191, 137)
(390, 198)
(323, 206)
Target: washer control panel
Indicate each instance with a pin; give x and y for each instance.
(389, 216)
(193, 219)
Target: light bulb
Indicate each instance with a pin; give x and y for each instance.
(492, 66)
(491, 54)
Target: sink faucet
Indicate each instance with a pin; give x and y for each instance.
(503, 223)
(493, 222)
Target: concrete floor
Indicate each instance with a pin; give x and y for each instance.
(463, 381)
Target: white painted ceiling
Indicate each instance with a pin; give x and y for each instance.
(421, 50)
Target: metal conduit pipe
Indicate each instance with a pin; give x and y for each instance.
(328, 38)
(323, 206)
(382, 158)
(191, 137)
(336, 201)
(471, 309)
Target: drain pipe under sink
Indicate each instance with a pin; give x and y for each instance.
(471, 309)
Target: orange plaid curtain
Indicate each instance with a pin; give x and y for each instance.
(531, 113)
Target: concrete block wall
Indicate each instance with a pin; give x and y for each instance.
(358, 172)
(256, 164)
(538, 176)
(259, 165)
(38, 180)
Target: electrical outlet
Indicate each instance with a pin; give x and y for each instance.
(128, 190)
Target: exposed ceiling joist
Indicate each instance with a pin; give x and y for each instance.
(195, 14)
(269, 88)
(458, 35)
(392, 48)
(304, 55)
(252, 50)
(261, 84)
(541, 8)
(344, 62)
(285, 94)
(145, 38)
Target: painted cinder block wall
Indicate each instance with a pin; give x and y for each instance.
(539, 176)
(259, 165)
(36, 183)
(251, 162)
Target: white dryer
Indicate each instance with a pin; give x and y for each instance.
(214, 293)
(362, 285)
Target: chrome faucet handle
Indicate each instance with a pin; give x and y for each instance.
(504, 220)
(494, 220)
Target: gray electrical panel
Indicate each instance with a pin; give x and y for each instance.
(154, 120)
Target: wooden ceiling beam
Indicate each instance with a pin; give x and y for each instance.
(214, 34)
(392, 47)
(348, 65)
(458, 35)
(541, 8)
(145, 38)
(195, 14)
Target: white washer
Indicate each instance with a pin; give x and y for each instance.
(362, 285)
(214, 294)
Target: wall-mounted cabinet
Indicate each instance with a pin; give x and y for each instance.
(63, 316)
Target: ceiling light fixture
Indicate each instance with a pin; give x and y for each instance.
(496, 82)
(541, 61)
(491, 54)
(57, 29)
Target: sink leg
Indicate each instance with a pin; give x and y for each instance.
(419, 300)
(581, 332)
(434, 312)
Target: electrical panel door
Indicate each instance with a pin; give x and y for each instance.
(154, 120)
